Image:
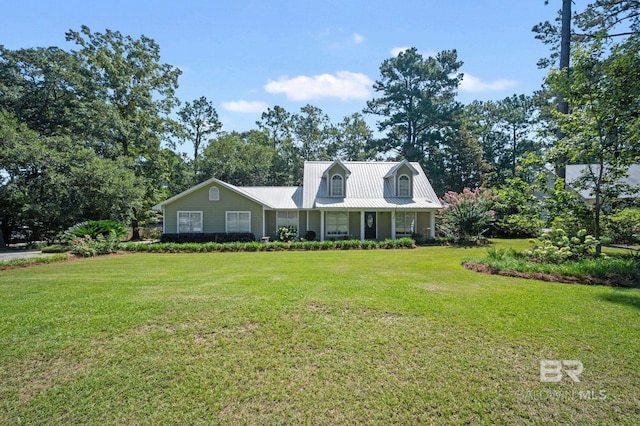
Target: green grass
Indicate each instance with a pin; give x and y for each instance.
(29, 261)
(322, 337)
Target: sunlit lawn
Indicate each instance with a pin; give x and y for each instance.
(337, 337)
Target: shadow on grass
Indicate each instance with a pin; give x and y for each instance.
(623, 297)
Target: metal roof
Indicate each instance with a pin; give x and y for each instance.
(366, 187)
(574, 171)
(280, 197)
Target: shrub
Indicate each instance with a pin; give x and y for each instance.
(94, 228)
(87, 246)
(467, 214)
(624, 226)
(56, 248)
(519, 226)
(287, 233)
(310, 236)
(556, 246)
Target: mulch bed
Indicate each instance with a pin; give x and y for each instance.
(583, 279)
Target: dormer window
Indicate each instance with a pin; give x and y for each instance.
(337, 186)
(404, 186)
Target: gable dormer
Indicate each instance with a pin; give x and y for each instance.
(401, 179)
(336, 176)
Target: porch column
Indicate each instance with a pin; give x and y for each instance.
(264, 221)
(393, 224)
(362, 225)
(432, 224)
(321, 225)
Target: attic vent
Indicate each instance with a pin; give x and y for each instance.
(214, 194)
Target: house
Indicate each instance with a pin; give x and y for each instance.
(575, 171)
(350, 199)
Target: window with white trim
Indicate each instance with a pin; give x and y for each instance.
(337, 223)
(238, 221)
(287, 218)
(214, 194)
(189, 222)
(405, 223)
(404, 186)
(337, 185)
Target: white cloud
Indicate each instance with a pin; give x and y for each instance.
(357, 38)
(245, 106)
(472, 83)
(344, 85)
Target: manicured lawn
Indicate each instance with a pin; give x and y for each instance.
(335, 337)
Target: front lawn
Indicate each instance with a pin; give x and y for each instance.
(327, 337)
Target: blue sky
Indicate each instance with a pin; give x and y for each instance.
(246, 55)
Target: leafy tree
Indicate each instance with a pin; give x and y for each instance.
(353, 140)
(233, 158)
(507, 131)
(518, 210)
(199, 119)
(463, 165)
(277, 124)
(417, 101)
(603, 127)
(50, 183)
(45, 88)
(312, 130)
(136, 91)
(133, 93)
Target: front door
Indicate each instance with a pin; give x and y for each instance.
(370, 226)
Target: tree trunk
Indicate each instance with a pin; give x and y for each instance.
(565, 50)
(2, 243)
(135, 230)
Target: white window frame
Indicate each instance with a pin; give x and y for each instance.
(331, 188)
(400, 230)
(401, 193)
(191, 229)
(288, 221)
(237, 214)
(214, 193)
(336, 233)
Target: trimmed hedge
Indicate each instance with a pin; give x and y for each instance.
(218, 237)
(273, 246)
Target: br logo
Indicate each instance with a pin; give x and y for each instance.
(551, 370)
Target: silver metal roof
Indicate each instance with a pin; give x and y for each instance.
(574, 171)
(366, 187)
(279, 197)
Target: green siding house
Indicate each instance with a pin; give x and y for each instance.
(350, 199)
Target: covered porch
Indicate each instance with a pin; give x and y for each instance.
(373, 224)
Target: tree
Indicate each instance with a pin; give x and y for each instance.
(199, 119)
(417, 101)
(467, 215)
(312, 130)
(353, 140)
(135, 91)
(277, 124)
(234, 158)
(133, 94)
(50, 182)
(603, 126)
(463, 165)
(507, 131)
